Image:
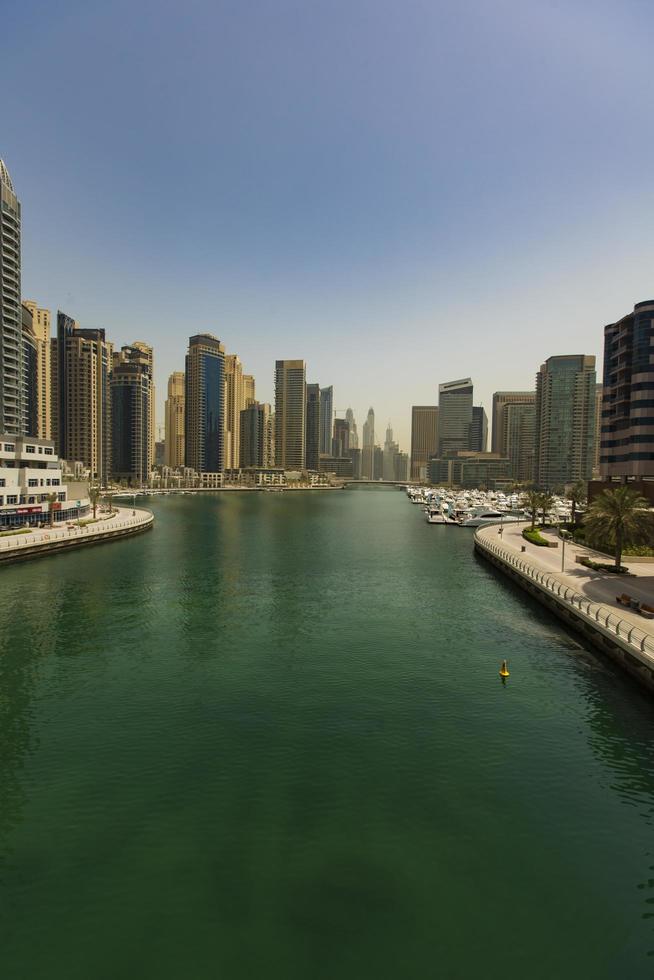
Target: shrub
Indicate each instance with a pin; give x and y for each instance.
(599, 566)
(535, 537)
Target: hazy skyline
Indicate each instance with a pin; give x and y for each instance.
(399, 194)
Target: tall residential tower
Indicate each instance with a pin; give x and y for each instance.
(205, 404)
(290, 414)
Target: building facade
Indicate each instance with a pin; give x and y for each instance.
(147, 352)
(12, 408)
(501, 399)
(478, 438)
(627, 449)
(132, 405)
(41, 331)
(368, 449)
(565, 421)
(424, 439)
(518, 438)
(175, 411)
(454, 416)
(290, 414)
(256, 436)
(29, 394)
(313, 427)
(80, 405)
(204, 436)
(32, 489)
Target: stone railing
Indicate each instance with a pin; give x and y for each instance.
(106, 527)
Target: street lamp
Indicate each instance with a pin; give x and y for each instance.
(563, 534)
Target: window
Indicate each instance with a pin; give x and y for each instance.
(56, 483)
(2, 482)
(32, 483)
(12, 500)
(49, 451)
(10, 447)
(30, 449)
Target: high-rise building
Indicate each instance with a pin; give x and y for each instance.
(368, 452)
(41, 331)
(454, 415)
(132, 456)
(175, 420)
(249, 395)
(290, 414)
(234, 404)
(377, 463)
(341, 438)
(205, 404)
(256, 436)
(13, 413)
(565, 421)
(500, 401)
(391, 449)
(518, 438)
(148, 353)
(478, 439)
(80, 406)
(353, 436)
(424, 439)
(627, 450)
(313, 427)
(29, 374)
(326, 416)
(401, 467)
(598, 431)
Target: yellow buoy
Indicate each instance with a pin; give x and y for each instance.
(504, 670)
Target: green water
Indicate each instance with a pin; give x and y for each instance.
(269, 739)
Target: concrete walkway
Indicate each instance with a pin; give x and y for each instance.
(602, 587)
(122, 518)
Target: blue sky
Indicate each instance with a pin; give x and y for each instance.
(400, 193)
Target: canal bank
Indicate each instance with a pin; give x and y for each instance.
(39, 543)
(583, 599)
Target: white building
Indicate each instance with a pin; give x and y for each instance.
(30, 473)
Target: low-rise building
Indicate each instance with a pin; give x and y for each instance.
(471, 470)
(32, 484)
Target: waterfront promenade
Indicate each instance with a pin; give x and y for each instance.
(122, 522)
(584, 598)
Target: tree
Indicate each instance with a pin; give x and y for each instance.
(619, 517)
(94, 495)
(546, 503)
(576, 495)
(531, 503)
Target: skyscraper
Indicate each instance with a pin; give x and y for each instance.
(131, 415)
(391, 449)
(478, 439)
(565, 421)
(80, 407)
(249, 395)
(501, 399)
(234, 403)
(175, 420)
(256, 436)
(29, 374)
(12, 408)
(341, 438)
(353, 437)
(598, 430)
(313, 427)
(205, 404)
(41, 330)
(368, 453)
(518, 438)
(148, 353)
(290, 414)
(424, 439)
(454, 415)
(627, 451)
(326, 417)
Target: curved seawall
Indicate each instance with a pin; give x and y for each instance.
(39, 544)
(628, 642)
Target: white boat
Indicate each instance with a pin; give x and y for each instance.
(485, 515)
(435, 515)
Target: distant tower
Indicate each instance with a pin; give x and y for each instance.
(368, 454)
(313, 427)
(353, 441)
(41, 330)
(234, 404)
(175, 420)
(565, 420)
(454, 415)
(148, 353)
(256, 436)
(290, 414)
(205, 404)
(424, 439)
(326, 416)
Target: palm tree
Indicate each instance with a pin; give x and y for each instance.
(546, 503)
(94, 495)
(576, 495)
(619, 517)
(52, 499)
(531, 503)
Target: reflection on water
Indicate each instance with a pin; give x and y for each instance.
(271, 732)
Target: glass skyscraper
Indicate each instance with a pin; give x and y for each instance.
(205, 404)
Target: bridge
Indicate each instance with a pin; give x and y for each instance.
(349, 482)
